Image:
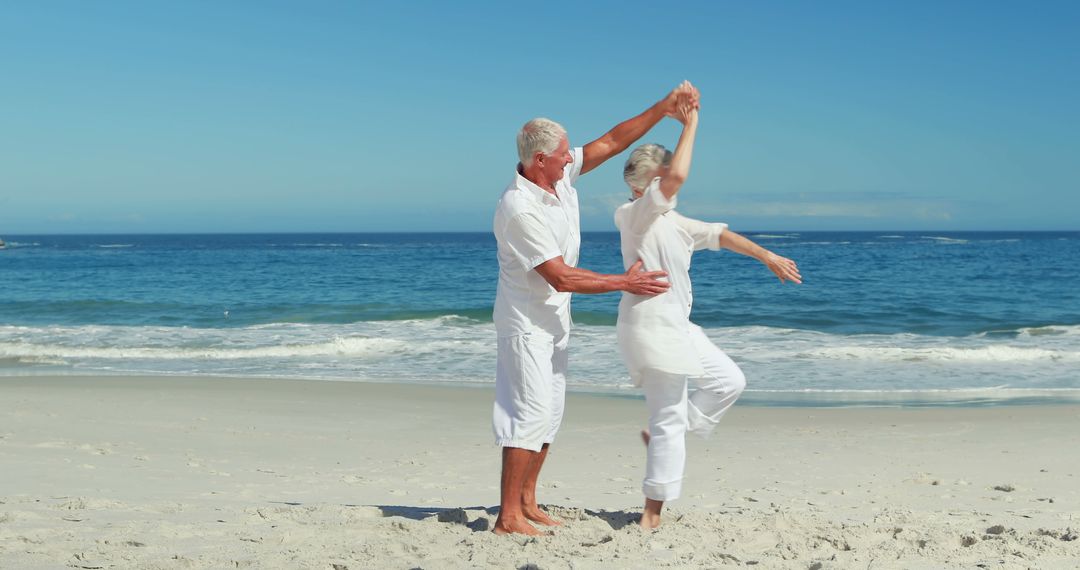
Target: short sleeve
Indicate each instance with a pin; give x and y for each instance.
(530, 241)
(573, 170)
(706, 235)
(643, 212)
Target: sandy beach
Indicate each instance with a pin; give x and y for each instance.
(180, 472)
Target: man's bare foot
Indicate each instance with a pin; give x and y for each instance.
(650, 521)
(645, 436)
(515, 526)
(538, 516)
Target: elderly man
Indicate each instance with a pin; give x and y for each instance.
(538, 234)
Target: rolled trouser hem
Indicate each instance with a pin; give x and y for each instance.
(664, 492)
(529, 445)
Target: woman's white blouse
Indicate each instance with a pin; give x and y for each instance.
(654, 331)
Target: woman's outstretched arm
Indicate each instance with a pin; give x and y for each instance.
(784, 268)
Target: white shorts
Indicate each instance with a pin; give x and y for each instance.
(530, 389)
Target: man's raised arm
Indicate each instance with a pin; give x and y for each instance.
(625, 133)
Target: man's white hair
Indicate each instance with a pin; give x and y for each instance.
(641, 167)
(538, 135)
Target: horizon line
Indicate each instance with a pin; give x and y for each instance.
(401, 232)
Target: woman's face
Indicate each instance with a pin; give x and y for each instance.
(660, 171)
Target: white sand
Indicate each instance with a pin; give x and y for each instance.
(227, 473)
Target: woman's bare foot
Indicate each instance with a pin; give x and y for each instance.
(540, 517)
(645, 436)
(650, 521)
(650, 517)
(515, 525)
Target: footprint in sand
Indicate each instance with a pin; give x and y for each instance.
(453, 516)
(996, 530)
(131, 543)
(95, 449)
(924, 479)
(52, 444)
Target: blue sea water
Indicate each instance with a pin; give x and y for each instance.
(882, 318)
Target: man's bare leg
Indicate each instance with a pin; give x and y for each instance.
(528, 491)
(515, 466)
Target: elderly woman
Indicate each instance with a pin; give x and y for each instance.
(688, 382)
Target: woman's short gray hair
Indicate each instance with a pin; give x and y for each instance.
(538, 135)
(641, 167)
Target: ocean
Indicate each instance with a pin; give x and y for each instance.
(883, 318)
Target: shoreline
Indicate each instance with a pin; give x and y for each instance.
(811, 398)
(180, 472)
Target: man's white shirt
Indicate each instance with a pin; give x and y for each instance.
(533, 226)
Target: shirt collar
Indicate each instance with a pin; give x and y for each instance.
(528, 185)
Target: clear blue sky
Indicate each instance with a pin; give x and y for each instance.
(360, 116)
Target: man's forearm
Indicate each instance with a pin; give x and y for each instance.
(625, 133)
(576, 280)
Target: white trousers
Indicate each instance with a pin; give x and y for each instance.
(677, 404)
(530, 389)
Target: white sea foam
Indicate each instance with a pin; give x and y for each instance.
(893, 398)
(347, 347)
(31, 361)
(891, 237)
(994, 353)
(989, 389)
(458, 349)
(941, 239)
(1049, 330)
